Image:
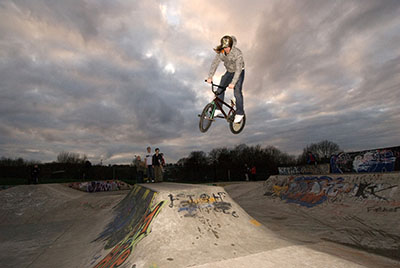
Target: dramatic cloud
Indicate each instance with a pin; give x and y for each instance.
(109, 78)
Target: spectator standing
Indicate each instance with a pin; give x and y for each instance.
(35, 174)
(253, 173)
(149, 165)
(246, 171)
(162, 162)
(140, 169)
(157, 164)
(311, 160)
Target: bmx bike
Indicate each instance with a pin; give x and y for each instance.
(207, 116)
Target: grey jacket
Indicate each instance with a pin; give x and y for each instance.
(233, 62)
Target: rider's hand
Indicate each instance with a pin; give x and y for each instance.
(209, 80)
(231, 86)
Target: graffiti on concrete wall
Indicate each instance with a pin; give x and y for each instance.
(383, 209)
(191, 205)
(100, 186)
(311, 169)
(341, 163)
(374, 161)
(123, 250)
(128, 213)
(378, 191)
(312, 191)
(379, 160)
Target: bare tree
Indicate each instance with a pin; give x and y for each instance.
(323, 150)
(71, 158)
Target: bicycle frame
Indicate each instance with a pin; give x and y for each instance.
(220, 103)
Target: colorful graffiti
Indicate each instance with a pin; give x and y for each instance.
(100, 186)
(311, 169)
(192, 205)
(128, 213)
(312, 191)
(123, 250)
(379, 160)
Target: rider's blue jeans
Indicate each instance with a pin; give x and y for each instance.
(225, 81)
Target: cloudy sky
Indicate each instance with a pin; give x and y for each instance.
(107, 78)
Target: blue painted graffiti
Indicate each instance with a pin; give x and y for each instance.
(381, 160)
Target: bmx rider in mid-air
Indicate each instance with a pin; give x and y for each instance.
(234, 75)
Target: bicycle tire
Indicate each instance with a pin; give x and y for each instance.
(205, 117)
(237, 128)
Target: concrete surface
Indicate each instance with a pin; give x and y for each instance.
(52, 225)
(353, 216)
(171, 225)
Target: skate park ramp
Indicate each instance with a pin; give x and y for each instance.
(158, 225)
(355, 216)
(52, 225)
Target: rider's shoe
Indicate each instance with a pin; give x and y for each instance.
(238, 118)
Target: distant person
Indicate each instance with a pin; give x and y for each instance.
(87, 170)
(397, 162)
(149, 165)
(35, 174)
(246, 172)
(311, 160)
(157, 164)
(140, 169)
(253, 173)
(162, 162)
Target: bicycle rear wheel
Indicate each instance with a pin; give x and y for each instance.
(236, 128)
(206, 117)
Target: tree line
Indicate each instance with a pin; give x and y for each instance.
(231, 163)
(220, 164)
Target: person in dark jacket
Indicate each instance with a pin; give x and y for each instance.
(253, 173)
(157, 165)
(35, 174)
(140, 169)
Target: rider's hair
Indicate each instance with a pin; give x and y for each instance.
(224, 39)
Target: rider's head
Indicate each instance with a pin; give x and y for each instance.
(226, 44)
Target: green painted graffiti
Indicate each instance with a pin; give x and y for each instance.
(123, 250)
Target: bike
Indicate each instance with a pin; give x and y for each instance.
(207, 116)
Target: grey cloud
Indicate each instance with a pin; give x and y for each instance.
(365, 17)
(52, 97)
(77, 15)
(110, 99)
(303, 36)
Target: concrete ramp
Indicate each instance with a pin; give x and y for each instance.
(354, 216)
(52, 225)
(201, 226)
(363, 210)
(152, 225)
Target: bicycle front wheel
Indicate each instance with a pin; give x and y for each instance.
(206, 117)
(236, 128)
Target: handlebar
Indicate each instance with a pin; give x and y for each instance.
(217, 86)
